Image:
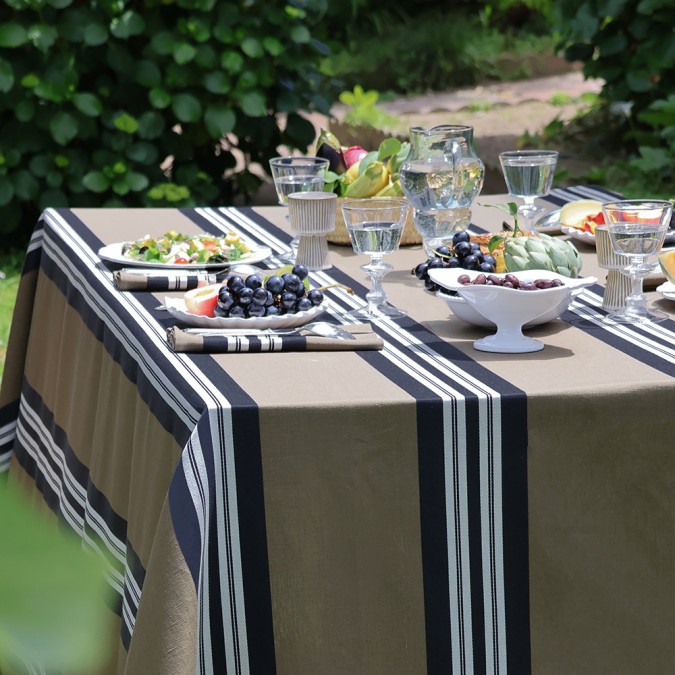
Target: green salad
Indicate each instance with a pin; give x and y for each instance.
(174, 248)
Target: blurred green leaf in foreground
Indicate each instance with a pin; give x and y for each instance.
(52, 593)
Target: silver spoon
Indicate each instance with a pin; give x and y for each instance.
(320, 328)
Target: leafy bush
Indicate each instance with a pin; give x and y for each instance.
(102, 104)
(417, 46)
(630, 44)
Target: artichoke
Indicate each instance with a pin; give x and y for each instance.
(541, 252)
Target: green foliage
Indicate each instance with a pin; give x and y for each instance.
(105, 104)
(363, 109)
(417, 47)
(630, 44)
(52, 593)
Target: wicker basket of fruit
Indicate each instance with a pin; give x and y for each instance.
(355, 173)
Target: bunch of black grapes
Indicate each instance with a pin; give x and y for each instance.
(463, 253)
(255, 296)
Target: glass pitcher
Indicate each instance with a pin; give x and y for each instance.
(441, 177)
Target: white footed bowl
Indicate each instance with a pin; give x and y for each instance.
(508, 309)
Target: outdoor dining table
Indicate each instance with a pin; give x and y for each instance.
(420, 508)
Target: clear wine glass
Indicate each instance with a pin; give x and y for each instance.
(375, 227)
(528, 174)
(296, 174)
(637, 228)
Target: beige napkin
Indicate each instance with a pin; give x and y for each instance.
(169, 280)
(220, 343)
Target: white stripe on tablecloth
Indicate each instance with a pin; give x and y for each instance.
(455, 474)
(68, 490)
(231, 578)
(7, 434)
(640, 338)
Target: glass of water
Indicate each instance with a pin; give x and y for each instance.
(528, 174)
(637, 228)
(296, 174)
(375, 227)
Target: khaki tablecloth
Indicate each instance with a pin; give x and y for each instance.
(315, 512)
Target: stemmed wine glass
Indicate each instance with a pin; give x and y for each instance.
(528, 174)
(296, 174)
(637, 228)
(375, 227)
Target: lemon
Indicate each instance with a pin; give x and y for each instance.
(667, 263)
(572, 214)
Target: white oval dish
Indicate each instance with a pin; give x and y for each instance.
(667, 290)
(113, 253)
(549, 223)
(176, 307)
(579, 235)
(508, 308)
(466, 312)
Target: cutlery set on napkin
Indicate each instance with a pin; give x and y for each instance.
(316, 336)
(302, 339)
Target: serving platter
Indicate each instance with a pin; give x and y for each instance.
(176, 307)
(667, 290)
(549, 223)
(579, 235)
(113, 253)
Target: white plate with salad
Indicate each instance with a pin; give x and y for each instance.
(174, 250)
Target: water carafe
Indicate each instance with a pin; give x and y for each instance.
(441, 178)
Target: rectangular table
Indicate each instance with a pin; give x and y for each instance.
(424, 508)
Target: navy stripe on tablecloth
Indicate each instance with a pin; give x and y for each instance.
(175, 382)
(651, 344)
(560, 196)
(459, 616)
(136, 342)
(43, 451)
(251, 512)
(432, 496)
(96, 313)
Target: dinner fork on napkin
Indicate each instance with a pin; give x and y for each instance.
(222, 342)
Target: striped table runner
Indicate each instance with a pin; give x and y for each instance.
(471, 443)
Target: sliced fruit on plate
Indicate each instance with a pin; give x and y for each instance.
(667, 263)
(584, 214)
(202, 301)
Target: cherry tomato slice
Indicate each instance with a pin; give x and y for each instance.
(181, 261)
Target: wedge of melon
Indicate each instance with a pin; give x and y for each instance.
(573, 214)
(667, 263)
(202, 301)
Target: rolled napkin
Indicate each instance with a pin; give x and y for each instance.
(216, 342)
(154, 281)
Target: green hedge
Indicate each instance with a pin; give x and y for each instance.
(628, 43)
(159, 103)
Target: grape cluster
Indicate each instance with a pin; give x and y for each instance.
(508, 281)
(463, 253)
(257, 297)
